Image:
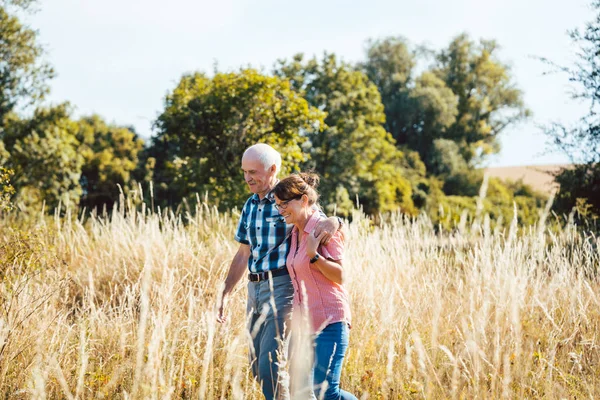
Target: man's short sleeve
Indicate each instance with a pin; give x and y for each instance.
(241, 234)
(335, 248)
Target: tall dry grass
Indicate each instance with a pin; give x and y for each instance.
(123, 307)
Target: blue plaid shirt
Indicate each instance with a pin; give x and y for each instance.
(264, 229)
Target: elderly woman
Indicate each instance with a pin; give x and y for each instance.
(317, 276)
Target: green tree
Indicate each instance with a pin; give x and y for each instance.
(580, 183)
(445, 159)
(3, 153)
(433, 110)
(579, 189)
(43, 152)
(207, 124)
(447, 163)
(6, 189)
(389, 66)
(488, 100)
(26, 5)
(418, 109)
(23, 73)
(353, 152)
(111, 155)
(450, 113)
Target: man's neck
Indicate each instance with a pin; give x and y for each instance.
(264, 194)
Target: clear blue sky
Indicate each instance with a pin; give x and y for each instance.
(118, 58)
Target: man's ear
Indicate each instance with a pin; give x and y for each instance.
(273, 169)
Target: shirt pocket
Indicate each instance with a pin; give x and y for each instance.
(275, 220)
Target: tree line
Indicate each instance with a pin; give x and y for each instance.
(404, 129)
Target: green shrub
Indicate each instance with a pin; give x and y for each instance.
(6, 189)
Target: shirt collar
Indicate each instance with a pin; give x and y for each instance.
(269, 197)
(312, 222)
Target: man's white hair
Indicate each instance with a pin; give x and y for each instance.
(267, 155)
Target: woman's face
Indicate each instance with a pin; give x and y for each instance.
(293, 210)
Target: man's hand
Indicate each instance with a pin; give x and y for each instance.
(236, 272)
(325, 229)
(221, 318)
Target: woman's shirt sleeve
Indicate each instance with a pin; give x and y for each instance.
(335, 248)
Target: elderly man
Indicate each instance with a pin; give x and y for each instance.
(264, 241)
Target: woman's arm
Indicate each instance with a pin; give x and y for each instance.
(332, 269)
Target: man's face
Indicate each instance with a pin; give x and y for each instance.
(256, 176)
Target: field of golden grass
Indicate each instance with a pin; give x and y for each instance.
(122, 307)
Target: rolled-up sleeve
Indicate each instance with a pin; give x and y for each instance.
(241, 234)
(335, 248)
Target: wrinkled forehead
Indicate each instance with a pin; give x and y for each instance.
(251, 161)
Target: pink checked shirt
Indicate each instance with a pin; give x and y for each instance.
(326, 301)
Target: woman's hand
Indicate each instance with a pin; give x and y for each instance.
(331, 269)
(312, 243)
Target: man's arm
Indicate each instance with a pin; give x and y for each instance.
(328, 227)
(236, 271)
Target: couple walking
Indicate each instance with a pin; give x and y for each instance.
(294, 255)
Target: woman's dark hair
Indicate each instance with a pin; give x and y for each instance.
(296, 185)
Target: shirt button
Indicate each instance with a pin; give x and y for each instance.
(260, 209)
(258, 228)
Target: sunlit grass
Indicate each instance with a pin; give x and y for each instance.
(122, 306)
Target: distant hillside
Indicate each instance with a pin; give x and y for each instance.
(537, 176)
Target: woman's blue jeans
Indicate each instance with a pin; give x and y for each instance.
(330, 348)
